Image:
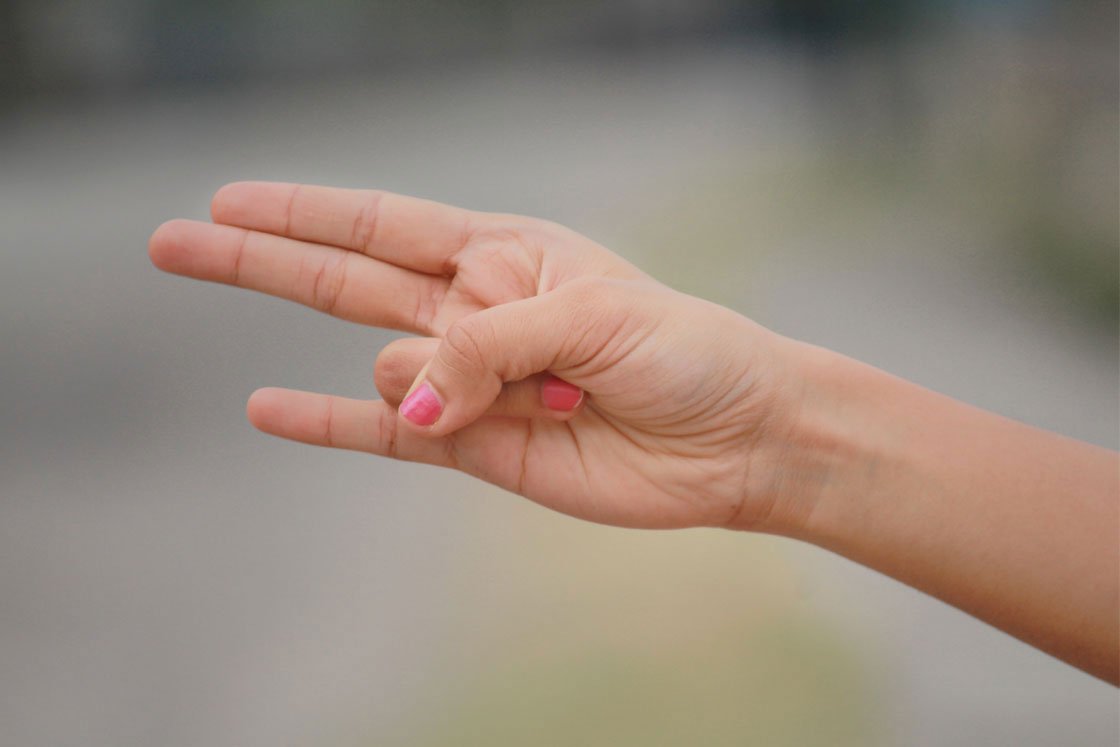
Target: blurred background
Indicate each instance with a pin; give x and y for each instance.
(928, 186)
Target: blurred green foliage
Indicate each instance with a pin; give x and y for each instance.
(790, 683)
(572, 634)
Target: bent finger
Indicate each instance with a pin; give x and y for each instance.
(342, 423)
(558, 331)
(539, 396)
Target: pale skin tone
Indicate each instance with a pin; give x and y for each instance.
(672, 411)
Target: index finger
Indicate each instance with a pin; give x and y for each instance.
(406, 231)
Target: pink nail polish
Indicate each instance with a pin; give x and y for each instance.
(422, 407)
(557, 394)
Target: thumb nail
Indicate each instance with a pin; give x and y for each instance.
(422, 407)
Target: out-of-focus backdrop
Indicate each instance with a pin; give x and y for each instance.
(928, 186)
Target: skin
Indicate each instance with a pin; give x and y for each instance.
(692, 415)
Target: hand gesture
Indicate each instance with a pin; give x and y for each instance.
(546, 364)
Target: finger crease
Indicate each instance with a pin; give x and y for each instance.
(525, 457)
(428, 301)
(328, 432)
(389, 427)
(340, 284)
(579, 455)
(237, 255)
(466, 235)
(290, 210)
(329, 281)
(363, 234)
(451, 454)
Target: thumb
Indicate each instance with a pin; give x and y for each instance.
(481, 352)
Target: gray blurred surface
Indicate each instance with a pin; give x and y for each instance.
(168, 576)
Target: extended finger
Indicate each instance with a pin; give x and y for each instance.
(539, 396)
(342, 423)
(490, 448)
(332, 280)
(406, 231)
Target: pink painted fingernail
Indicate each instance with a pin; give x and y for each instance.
(422, 407)
(558, 394)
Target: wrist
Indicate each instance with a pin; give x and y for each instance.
(824, 445)
(1013, 525)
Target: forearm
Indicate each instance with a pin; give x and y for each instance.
(1016, 526)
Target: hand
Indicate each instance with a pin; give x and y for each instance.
(679, 396)
(555, 369)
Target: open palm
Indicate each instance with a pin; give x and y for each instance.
(678, 389)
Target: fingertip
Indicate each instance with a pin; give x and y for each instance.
(561, 398)
(224, 200)
(393, 374)
(165, 246)
(399, 364)
(263, 407)
(239, 203)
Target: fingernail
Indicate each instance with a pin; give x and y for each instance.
(558, 394)
(422, 407)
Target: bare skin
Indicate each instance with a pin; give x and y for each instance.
(690, 414)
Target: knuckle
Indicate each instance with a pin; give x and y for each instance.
(428, 302)
(363, 233)
(329, 424)
(238, 258)
(589, 291)
(327, 284)
(462, 347)
(553, 231)
(290, 210)
(387, 434)
(599, 310)
(590, 299)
